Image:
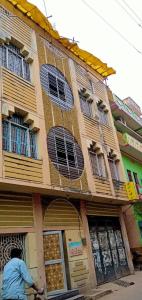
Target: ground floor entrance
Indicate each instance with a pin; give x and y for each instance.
(54, 262)
(108, 248)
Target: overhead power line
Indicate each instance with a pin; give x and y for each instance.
(112, 27)
(132, 10)
(128, 13)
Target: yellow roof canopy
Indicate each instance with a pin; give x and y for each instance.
(38, 17)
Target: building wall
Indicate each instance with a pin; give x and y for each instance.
(133, 166)
(134, 214)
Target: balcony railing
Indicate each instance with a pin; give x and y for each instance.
(120, 189)
(118, 103)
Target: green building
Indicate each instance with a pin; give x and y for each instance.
(128, 123)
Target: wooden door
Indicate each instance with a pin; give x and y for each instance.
(54, 262)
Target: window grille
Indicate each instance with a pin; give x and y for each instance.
(18, 138)
(12, 59)
(103, 116)
(7, 242)
(65, 153)
(114, 169)
(98, 164)
(86, 107)
(56, 86)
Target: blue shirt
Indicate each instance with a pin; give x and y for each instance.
(15, 276)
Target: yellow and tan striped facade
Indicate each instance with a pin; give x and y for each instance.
(34, 196)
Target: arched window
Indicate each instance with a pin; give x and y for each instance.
(65, 153)
(56, 86)
(12, 59)
(18, 138)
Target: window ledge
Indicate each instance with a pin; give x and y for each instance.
(106, 125)
(101, 178)
(90, 118)
(21, 156)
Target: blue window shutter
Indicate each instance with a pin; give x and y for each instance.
(5, 136)
(33, 147)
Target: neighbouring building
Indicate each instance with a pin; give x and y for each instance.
(62, 181)
(128, 122)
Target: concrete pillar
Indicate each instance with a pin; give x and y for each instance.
(126, 243)
(38, 219)
(93, 280)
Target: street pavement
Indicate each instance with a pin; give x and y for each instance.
(133, 292)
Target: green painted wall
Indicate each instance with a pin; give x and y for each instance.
(133, 166)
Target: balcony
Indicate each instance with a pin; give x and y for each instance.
(130, 145)
(134, 122)
(120, 189)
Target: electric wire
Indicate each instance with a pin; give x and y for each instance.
(128, 13)
(45, 8)
(112, 27)
(132, 10)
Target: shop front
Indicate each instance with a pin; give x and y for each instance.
(107, 241)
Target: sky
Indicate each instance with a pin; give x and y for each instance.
(77, 19)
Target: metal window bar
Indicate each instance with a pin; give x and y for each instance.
(103, 116)
(97, 162)
(11, 59)
(86, 107)
(113, 169)
(7, 242)
(94, 163)
(18, 139)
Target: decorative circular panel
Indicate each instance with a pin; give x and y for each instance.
(65, 153)
(56, 86)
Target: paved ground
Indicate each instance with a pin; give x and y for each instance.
(133, 292)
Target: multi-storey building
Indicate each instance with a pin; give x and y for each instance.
(128, 122)
(62, 184)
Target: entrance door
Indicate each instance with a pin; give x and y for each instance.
(108, 249)
(54, 262)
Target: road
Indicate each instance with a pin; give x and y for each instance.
(133, 292)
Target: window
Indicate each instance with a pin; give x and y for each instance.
(7, 242)
(18, 138)
(140, 227)
(129, 175)
(12, 59)
(97, 164)
(136, 181)
(65, 153)
(103, 116)
(113, 164)
(86, 106)
(56, 86)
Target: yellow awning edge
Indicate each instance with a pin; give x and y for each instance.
(38, 17)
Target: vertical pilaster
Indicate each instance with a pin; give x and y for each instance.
(93, 280)
(126, 243)
(37, 208)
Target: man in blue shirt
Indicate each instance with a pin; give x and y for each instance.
(15, 276)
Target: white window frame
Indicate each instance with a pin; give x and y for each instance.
(6, 65)
(101, 171)
(10, 122)
(90, 108)
(115, 169)
(64, 83)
